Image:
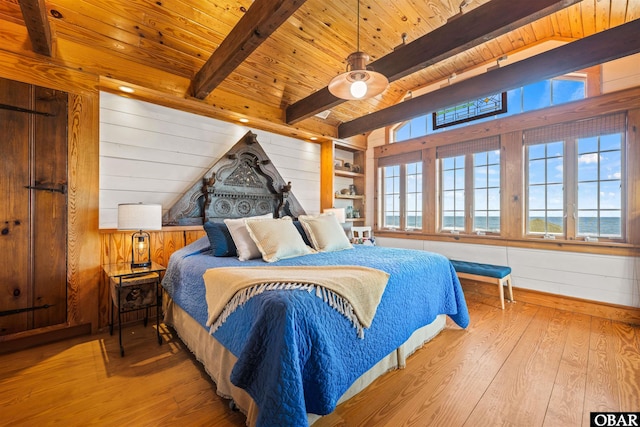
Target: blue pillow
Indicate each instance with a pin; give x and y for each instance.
(303, 233)
(220, 239)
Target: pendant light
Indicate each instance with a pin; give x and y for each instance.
(358, 82)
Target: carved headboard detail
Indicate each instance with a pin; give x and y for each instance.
(242, 183)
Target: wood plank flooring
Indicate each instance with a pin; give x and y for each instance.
(525, 366)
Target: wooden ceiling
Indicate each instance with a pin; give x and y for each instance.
(275, 65)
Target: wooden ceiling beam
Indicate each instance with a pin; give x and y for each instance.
(599, 48)
(260, 21)
(34, 13)
(467, 30)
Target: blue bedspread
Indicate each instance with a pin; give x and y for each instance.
(295, 353)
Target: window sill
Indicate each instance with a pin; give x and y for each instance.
(605, 248)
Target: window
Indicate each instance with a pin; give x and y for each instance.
(413, 211)
(486, 192)
(412, 129)
(469, 111)
(546, 93)
(391, 195)
(599, 201)
(470, 183)
(453, 212)
(545, 183)
(400, 183)
(542, 94)
(574, 176)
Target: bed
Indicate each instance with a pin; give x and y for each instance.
(286, 357)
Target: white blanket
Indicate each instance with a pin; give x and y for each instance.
(353, 291)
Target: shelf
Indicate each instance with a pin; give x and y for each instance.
(335, 177)
(348, 174)
(350, 196)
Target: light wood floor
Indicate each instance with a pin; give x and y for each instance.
(524, 366)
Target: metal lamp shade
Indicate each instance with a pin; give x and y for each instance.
(342, 85)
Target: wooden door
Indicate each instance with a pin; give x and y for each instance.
(33, 207)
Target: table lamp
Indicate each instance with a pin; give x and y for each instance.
(140, 217)
(339, 213)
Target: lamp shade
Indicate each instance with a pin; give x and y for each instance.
(138, 216)
(358, 82)
(338, 212)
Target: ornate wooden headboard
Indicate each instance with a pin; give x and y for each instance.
(242, 183)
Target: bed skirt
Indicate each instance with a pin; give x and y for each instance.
(218, 361)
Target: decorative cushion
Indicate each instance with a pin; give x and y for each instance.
(303, 233)
(245, 246)
(220, 239)
(487, 270)
(277, 239)
(325, 232)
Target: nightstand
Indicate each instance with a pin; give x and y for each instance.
(134, 289)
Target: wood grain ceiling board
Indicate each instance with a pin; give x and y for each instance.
(161, 44)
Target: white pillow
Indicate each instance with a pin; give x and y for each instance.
(277, 239)
(245, 246)
(325, 232)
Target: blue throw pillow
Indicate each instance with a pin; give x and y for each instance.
(220, 239)
(303, 233)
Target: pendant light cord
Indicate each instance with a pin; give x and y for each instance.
(358, 29)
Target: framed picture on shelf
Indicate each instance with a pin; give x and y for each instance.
(339, 164)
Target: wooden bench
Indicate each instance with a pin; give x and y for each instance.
(497, 274)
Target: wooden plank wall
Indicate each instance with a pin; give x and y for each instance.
(153, 154)
(83, 265)
(115, 246)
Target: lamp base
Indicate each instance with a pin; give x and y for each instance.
(141, 264)
(140, 250)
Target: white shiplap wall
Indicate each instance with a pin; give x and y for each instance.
(153, 154)
(604, 278)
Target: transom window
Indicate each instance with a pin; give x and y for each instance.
(534, 96)
(486, 106)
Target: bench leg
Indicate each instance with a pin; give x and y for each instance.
(509, 288)
(501, 289)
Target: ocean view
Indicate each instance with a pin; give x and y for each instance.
(587, 226)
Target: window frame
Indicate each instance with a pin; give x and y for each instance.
(571, 181)
(401, 161)
(510, 130)
(527, 187)
(468, 149)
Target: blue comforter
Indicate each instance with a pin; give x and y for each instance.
(295, 353)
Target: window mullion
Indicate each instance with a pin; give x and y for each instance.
(468, 192)
(403, 196)
(571, 187)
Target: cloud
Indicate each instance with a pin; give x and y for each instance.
(616, 175)
(588, 158)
